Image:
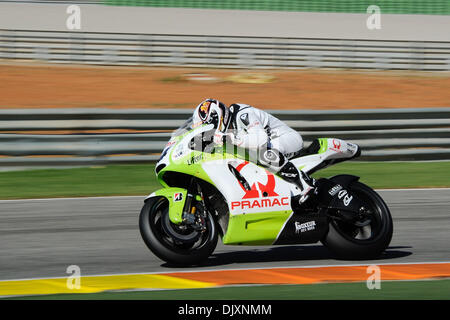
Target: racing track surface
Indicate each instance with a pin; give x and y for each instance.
(41, 238)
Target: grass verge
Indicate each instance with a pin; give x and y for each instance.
(140, 179)
(389, 290)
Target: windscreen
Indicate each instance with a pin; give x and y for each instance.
(185, 127)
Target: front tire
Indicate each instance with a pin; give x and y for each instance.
(348, 241)
(154, 215)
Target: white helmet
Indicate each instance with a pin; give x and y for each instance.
(212, 111)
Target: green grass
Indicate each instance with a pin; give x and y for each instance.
(79, 182)
(140, 179)
(395, 174)
(389, 290)
(349, 6)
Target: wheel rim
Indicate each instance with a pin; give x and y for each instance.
(159, 223)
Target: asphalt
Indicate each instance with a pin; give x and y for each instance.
(41, 238)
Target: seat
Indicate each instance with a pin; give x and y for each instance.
(313, 148)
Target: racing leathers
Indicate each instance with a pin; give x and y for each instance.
(274, 142)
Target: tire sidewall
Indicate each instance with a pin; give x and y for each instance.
(344, 248)
(163, 252)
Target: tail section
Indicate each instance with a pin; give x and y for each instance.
(324, 152)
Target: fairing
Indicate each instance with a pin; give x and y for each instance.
(259, 202)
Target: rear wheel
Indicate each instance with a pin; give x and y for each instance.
(357, 241)
(176, 244)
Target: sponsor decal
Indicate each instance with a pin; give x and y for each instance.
(266, 190)
(260, 195)
(244, 119)
(352, 147)
(346, 198)
(203, 111)
(335, 190)
(256, 123)
(342, 193)
(178, 152)
(336, 145)
(177, 197)
(260, 203)
(170, 143)
(306, 226)
(166, 149)
(195, 159)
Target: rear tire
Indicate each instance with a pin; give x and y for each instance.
(164, 246)
(347, 241)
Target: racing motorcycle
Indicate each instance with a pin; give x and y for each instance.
(211, 191)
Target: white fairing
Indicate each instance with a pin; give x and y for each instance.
(181, 149)
(268, 193)
(336, 149)
(262, 190)
(151, 195)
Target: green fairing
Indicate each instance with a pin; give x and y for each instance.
(175, 207)
(323, 145)
(245, 229)
(255, 228)
(191, 162)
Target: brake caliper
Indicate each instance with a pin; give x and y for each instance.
(195, 217)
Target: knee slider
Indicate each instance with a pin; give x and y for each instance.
(271, 158)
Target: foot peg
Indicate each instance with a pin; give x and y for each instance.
(306, 194)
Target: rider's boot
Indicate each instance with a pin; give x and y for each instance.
(293, 175)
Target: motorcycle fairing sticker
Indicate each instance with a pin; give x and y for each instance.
(265, 193)
(305, 228)
(177, 197)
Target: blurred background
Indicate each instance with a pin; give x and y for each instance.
(91, 90)
(101, 82)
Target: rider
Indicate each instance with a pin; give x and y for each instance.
(255, 129)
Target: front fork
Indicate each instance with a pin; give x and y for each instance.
(194, 212)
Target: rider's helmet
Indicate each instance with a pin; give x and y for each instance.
(212, 111)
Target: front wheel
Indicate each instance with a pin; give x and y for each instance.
(351, 241)
(180, 245)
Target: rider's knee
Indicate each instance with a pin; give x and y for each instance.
(271, 158)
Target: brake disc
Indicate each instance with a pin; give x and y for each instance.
(185, 235)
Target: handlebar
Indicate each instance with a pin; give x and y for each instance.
(202, 141)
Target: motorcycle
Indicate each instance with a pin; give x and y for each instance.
(211, 191)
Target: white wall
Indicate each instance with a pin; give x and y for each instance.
(101, 18)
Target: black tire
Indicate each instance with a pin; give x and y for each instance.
(347, 241)
(164, 246)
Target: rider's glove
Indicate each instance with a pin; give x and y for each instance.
(219, 137)
(236, 140)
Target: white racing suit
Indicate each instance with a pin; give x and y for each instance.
(274, 141)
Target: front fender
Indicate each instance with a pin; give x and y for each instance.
(176, 198)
